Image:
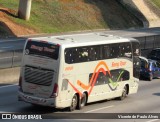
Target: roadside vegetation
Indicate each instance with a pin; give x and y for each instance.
(156, 2)
(54, 16)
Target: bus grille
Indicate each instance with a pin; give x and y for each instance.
(38, 76)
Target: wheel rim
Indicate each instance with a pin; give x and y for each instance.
(74, 102)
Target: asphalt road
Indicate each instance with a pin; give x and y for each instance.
(147, 100)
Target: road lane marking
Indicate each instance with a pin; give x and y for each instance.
(99, 109)
(8, 86)
(153, 120)
(9, 57)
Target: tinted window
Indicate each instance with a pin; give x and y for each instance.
(155, 53)
(42, 49)
(99, 52)
(158, 64)
(72, 55)
(114, 51)
(106, 51)
(136, 48)
(125, 50)
(82, 54)
(117, 76)
(94, 53)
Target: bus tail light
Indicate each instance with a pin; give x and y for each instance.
(55, 91)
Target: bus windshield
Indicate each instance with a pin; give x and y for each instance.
(42, 49)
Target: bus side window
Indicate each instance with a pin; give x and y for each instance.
(125, 76)
(120, 75)
(83, 54)
(125, 50)
(114, 51)
(106, 52)
(101, 79)
(91, 53)
(71, 55)
(94, 53)
(75, 58)
(68, 55)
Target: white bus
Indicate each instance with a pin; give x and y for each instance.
(72, 70)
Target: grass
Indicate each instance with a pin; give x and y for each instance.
(12, 4)
(156, 2)
(49, 16)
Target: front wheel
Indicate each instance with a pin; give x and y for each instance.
(73, 103)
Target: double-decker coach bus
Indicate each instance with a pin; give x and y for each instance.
(72, 70)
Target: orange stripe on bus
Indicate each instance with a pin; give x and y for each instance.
(86, 87)
(92, 80)
(95, 79)
(77, 91)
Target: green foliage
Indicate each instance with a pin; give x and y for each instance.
(156, 2)
(49, 16)
(12, 4)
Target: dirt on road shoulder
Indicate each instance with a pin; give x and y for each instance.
(12, 28)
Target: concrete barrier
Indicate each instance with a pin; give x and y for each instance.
(10, 75)
(134, 10)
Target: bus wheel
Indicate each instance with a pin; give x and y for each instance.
(74, 103)
(82, 101)
(124, 94)
(150, 77)
(35, 105)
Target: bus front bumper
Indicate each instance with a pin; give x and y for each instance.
(36, 100)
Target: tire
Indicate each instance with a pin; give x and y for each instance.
(150, 77)
(73, 103)
(82, 101)
(36, 105)
(124, 93)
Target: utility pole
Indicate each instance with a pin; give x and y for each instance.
(24, 9)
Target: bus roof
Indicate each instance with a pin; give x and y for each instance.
(82, 39)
